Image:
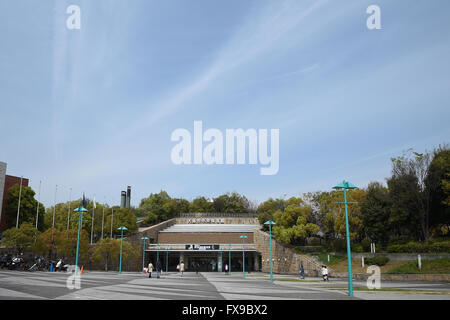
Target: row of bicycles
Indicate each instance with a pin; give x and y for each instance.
(11, 262)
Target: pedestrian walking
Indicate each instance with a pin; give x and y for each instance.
(58, 265)
(226, 268)
(325, 273)
(302, 272)
(150, 269)
(158, 269)
(197, 266)
(181, 267)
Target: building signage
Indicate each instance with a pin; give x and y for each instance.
(202, 247)
(206, 220)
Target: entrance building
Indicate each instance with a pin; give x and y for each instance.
(207, 242)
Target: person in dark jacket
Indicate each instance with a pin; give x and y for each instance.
(302, 272)
(158, 268)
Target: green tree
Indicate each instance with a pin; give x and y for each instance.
(375, 210)
(201, 204)
(21, 238)
(173, 207)
(123, 217)
(293, 224)
(410, 196)
(66, 244)
(232, 203)
(438, 185)
(267, 209)
(28, 207)
(108, 250)
(153, 207)
(105, 250)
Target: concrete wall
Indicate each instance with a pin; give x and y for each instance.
(151, 232)
(285, 260)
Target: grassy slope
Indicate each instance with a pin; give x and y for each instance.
(339, 264)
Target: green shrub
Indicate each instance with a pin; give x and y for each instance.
(365, 243)
(339, 245)
(357, 248)
(310, 249)
(420, 247)
(314, 242)
(378, 260)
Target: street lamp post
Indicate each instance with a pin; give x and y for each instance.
(221, 259)
(229, 259)
(344, 185)
(143, 253)
(121, 239)
(270, 223)
(167, 260)
(243, 255)
(157, 252)
(80, 209)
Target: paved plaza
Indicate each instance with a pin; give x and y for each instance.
(202, 286)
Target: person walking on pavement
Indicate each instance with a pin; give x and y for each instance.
(181, 267)
(58, 265)
(325, 273)
(226, 268)
(158, 269)
(302, 272)
(197, 266)
(150, 269)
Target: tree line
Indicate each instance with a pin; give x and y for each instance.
(413, 205)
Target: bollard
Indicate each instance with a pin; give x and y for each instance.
(419, 262)
(362, 262)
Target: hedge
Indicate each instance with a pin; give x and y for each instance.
(420, 247)
(378, 260)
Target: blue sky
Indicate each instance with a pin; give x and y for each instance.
(93, 109)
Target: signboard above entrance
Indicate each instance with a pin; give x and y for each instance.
(202, 247)
(207, 220)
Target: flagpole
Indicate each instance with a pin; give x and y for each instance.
(18, 206)
(92, 225)
(103, 216)
(39, 200)
(54, 207)
(112, 218)
(68, 212)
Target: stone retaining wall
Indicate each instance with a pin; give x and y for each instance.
(285, 260)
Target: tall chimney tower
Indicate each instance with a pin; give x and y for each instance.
(128, 197)
(123, 199)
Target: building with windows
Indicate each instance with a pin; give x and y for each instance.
(6, 182)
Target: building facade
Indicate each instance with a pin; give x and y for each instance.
(7, 182)
(206, 242)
